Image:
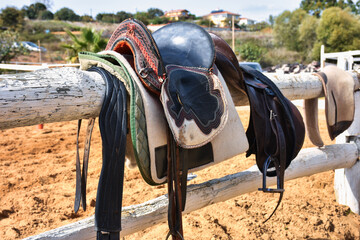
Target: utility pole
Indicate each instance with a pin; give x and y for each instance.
(39, 51)
(233, 33)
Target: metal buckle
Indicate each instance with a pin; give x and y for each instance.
(272, 114)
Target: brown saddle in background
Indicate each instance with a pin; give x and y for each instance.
(338, 87)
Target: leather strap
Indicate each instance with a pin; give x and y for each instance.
(176, 191)
(81, 176)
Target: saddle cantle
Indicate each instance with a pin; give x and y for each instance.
(132, 38)
(338, 87)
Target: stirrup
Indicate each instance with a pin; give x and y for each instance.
(265, 169)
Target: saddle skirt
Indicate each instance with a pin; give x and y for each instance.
(338, 87)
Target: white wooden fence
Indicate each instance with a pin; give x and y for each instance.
(53, 95)
(344, 60)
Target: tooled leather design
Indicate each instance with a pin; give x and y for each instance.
(197, 106)
(147, 58)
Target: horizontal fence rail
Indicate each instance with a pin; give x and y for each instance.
(139, 217)
(63, 94)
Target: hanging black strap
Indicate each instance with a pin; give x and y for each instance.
(81, 176)
(113, 127)
(177, 185)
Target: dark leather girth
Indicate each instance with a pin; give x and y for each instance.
(113, 127)
(177, 183)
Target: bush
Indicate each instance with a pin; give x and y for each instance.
(251, 52)
(12, 18)
(66, 14)
(7, 50)
(278, 56)
(46, 15)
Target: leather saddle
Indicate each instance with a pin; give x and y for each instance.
(338, 87)
(177, 58)
(276, 130)
(195, 103)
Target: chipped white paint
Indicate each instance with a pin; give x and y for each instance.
(49, 95)
(139, 217)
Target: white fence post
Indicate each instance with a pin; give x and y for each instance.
(347, 180)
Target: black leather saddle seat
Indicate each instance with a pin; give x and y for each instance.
(185, 44)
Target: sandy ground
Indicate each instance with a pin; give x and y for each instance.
(37, 186)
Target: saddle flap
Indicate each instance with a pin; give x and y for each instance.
(195, 105)
(338, 87)
(133, 38)
(272, 116)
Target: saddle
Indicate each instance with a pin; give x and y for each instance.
(338, 87)
(276, 130)
(159, 155)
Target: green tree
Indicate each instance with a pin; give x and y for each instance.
(142, 16)
(87, 18)
(308, 36)
(122, 15)
(10, 46)
(89, 40)
(34, 10)
(206, 22)
(46, 15)
(316, 7)
(12, 18)
(66, 14)
(160, 20)
(338, 31)
(154, 12)
(271, 20)
(286, 29)
(258, 26)
(99, 17)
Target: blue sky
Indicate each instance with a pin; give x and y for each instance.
(255, 9)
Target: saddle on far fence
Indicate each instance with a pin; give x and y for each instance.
(338, 87)
(276, 130)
